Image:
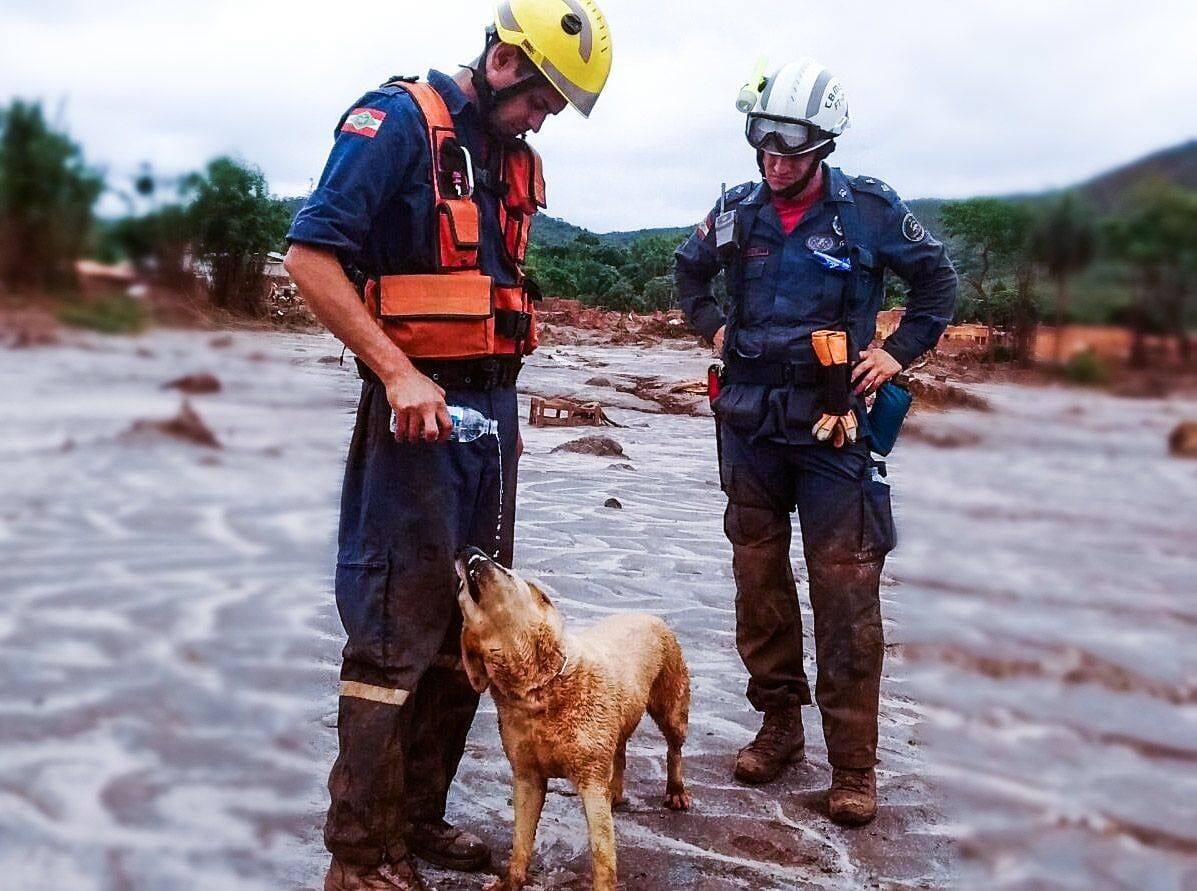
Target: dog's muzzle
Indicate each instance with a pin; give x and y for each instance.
(470, 563)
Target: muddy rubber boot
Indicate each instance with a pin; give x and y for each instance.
(449, 847)
(852, 800)
(779, 741)
(401, 876)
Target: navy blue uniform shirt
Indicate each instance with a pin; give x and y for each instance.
(782, 293)
(374, 203)
(779, 290)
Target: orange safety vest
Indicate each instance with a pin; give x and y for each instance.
(458, 312)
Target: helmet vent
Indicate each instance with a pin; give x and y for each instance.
(571, 24)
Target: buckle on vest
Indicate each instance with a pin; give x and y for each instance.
(512, 324)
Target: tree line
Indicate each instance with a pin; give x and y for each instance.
(1006, 252)
(213, 226)
(1018, 259)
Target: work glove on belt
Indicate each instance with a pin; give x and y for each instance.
(838, 421)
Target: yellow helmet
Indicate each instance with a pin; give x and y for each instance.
(567, 40)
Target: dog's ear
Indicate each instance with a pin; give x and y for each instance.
(537, 588)
(471, 660)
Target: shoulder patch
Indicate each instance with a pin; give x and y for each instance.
(912, 229)
(364, 122)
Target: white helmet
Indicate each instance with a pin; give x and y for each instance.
(802, 107)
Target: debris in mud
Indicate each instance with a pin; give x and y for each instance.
(691, 388)
(613, 503)
(685, 398)
(187, 425)
(285, 306)
(1182, 443)
(223, 342)
(600, 382)
(620, 467)
(945, 440)
(569, 321)
(600, 446)
(24, 329)
(194, 384)
(936, 395)
(567, 413)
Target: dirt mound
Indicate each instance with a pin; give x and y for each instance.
(195, 384)
(601, 446)
(187, 426)
(1183, 440)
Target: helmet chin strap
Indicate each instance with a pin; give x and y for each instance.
(489, 99)
(797, 188)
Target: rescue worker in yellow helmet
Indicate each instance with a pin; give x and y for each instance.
(411, 251)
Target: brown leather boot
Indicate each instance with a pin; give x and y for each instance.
(448, 847)
(779, 741)
(401, 876)
(852, 800)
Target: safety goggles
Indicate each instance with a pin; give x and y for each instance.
(781, 136)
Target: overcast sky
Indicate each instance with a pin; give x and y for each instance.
(948, 99)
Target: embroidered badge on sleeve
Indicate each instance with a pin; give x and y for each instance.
(364, 122)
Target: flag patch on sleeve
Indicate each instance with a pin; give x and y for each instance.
(364, 122)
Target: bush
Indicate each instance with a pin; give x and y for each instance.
(115, 314)
(1086, 368)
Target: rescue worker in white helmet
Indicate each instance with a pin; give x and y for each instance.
(411, 251)
(805, 253)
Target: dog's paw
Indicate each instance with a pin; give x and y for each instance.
(677, 801)
(619, 803)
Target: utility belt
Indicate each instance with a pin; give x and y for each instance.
(453, 315)
(483, 375)
(771, 374)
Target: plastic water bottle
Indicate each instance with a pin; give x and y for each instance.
(468, 424)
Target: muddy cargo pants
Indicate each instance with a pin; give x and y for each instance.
(847, 528)
(405, 705)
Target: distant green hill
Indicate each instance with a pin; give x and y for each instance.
(1110, 191)
(1105, 193)
(550, 231)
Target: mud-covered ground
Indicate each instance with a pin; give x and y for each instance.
(169, 646)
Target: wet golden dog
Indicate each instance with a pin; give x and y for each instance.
(567, 703)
